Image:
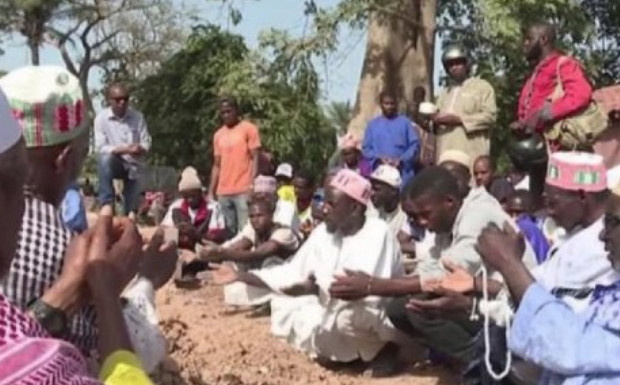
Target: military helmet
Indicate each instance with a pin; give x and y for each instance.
(454, 52)
(528, 152)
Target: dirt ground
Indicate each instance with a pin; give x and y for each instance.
(207, 345)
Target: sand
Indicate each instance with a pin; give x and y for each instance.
(208, 345)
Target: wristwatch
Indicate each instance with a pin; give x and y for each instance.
(52, 319)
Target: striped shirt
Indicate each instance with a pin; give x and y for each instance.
(43, 240)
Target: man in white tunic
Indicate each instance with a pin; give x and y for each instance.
(467, 109)
(576, 194)
(305, 314)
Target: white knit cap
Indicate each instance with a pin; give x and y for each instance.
(456, 156)
(388, 175)
(10, 131)
(190, 180)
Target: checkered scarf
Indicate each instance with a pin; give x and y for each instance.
(30, 357)
(38, 262)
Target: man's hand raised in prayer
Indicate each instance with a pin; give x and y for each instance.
(223, 274)
(159, 260)
(123, 251)
(309, 287)
(351, 286)
(448, 303)
(500, 248)
(69, 292)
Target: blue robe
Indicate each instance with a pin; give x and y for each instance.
(574, 349)
(392, 138)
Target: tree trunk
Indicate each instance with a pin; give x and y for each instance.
(34, 53)
(399, 57)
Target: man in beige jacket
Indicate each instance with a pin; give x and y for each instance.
(466, 108)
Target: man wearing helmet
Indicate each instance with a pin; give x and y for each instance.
(467, 109)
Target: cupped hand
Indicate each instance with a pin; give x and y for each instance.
(457, 279)
(308, 287)
(126, 254)
(446, 304)
(350, 286)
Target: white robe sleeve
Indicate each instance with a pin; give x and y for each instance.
(299, 268)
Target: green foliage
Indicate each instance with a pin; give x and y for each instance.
(339, 115)
(30, 18)
(280, 95)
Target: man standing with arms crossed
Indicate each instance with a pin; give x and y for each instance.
(236, 147)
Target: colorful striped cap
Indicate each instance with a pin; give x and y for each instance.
(577, 171)
(47, 103)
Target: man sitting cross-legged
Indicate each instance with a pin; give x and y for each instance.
(303, 310)
(435, 200)
(195, 217)
(261, 244)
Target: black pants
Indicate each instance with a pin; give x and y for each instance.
(453, 337)
(538, 175)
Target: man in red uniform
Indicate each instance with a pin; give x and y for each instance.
(536, 112)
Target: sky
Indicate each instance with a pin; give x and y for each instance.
(339, 71)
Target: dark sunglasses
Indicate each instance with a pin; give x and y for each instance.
(121, 99)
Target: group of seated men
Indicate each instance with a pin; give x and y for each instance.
(347, 291)
(341, 290)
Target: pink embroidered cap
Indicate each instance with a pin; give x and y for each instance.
(265, 184)
(348, 141)
(577, 171)
(352, 184)
(47, 103)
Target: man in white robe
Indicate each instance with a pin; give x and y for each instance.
(304, 313)
(577, 204)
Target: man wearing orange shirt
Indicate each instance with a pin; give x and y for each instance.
(236, 148)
